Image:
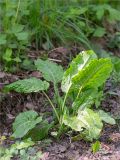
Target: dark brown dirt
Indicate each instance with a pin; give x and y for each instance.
(80, 150)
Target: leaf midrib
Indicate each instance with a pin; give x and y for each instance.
(91, 76)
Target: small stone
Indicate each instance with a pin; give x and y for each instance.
(62, 148)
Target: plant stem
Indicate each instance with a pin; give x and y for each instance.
(52, 105)
(79, 92)
(62, 109)
(64, 101)
(18, 6)
(56, 92)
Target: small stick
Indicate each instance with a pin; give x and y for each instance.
(55, 60)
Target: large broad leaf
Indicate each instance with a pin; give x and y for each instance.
(92, 122)
(28, 85)
(85, 99)
(40, 131)
(24, 122)
(106, 117)
(94, 75)
(77, 64)
(86, 119)
(51, 71)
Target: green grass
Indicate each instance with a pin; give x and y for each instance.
(51, 23)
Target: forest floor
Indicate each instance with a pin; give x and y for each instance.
(13, 103)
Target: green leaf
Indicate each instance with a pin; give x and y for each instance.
(100, 12)
(96, 146)
(51, 71)
(99, 32)
(77, 11)
(40, 131)
(2, 39)
(81, 24)
(85, 99)
(8, 55)
(27, 64)
(116, 63)
(24, 122)
(99, 96)
(113, 14)
(94, 75)
(23, 144)
(28, 85)
(77, 64)
(17, 59)
(22, 36)
(73, 122)
(17, 28)
(88, 120)
(106, 117)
